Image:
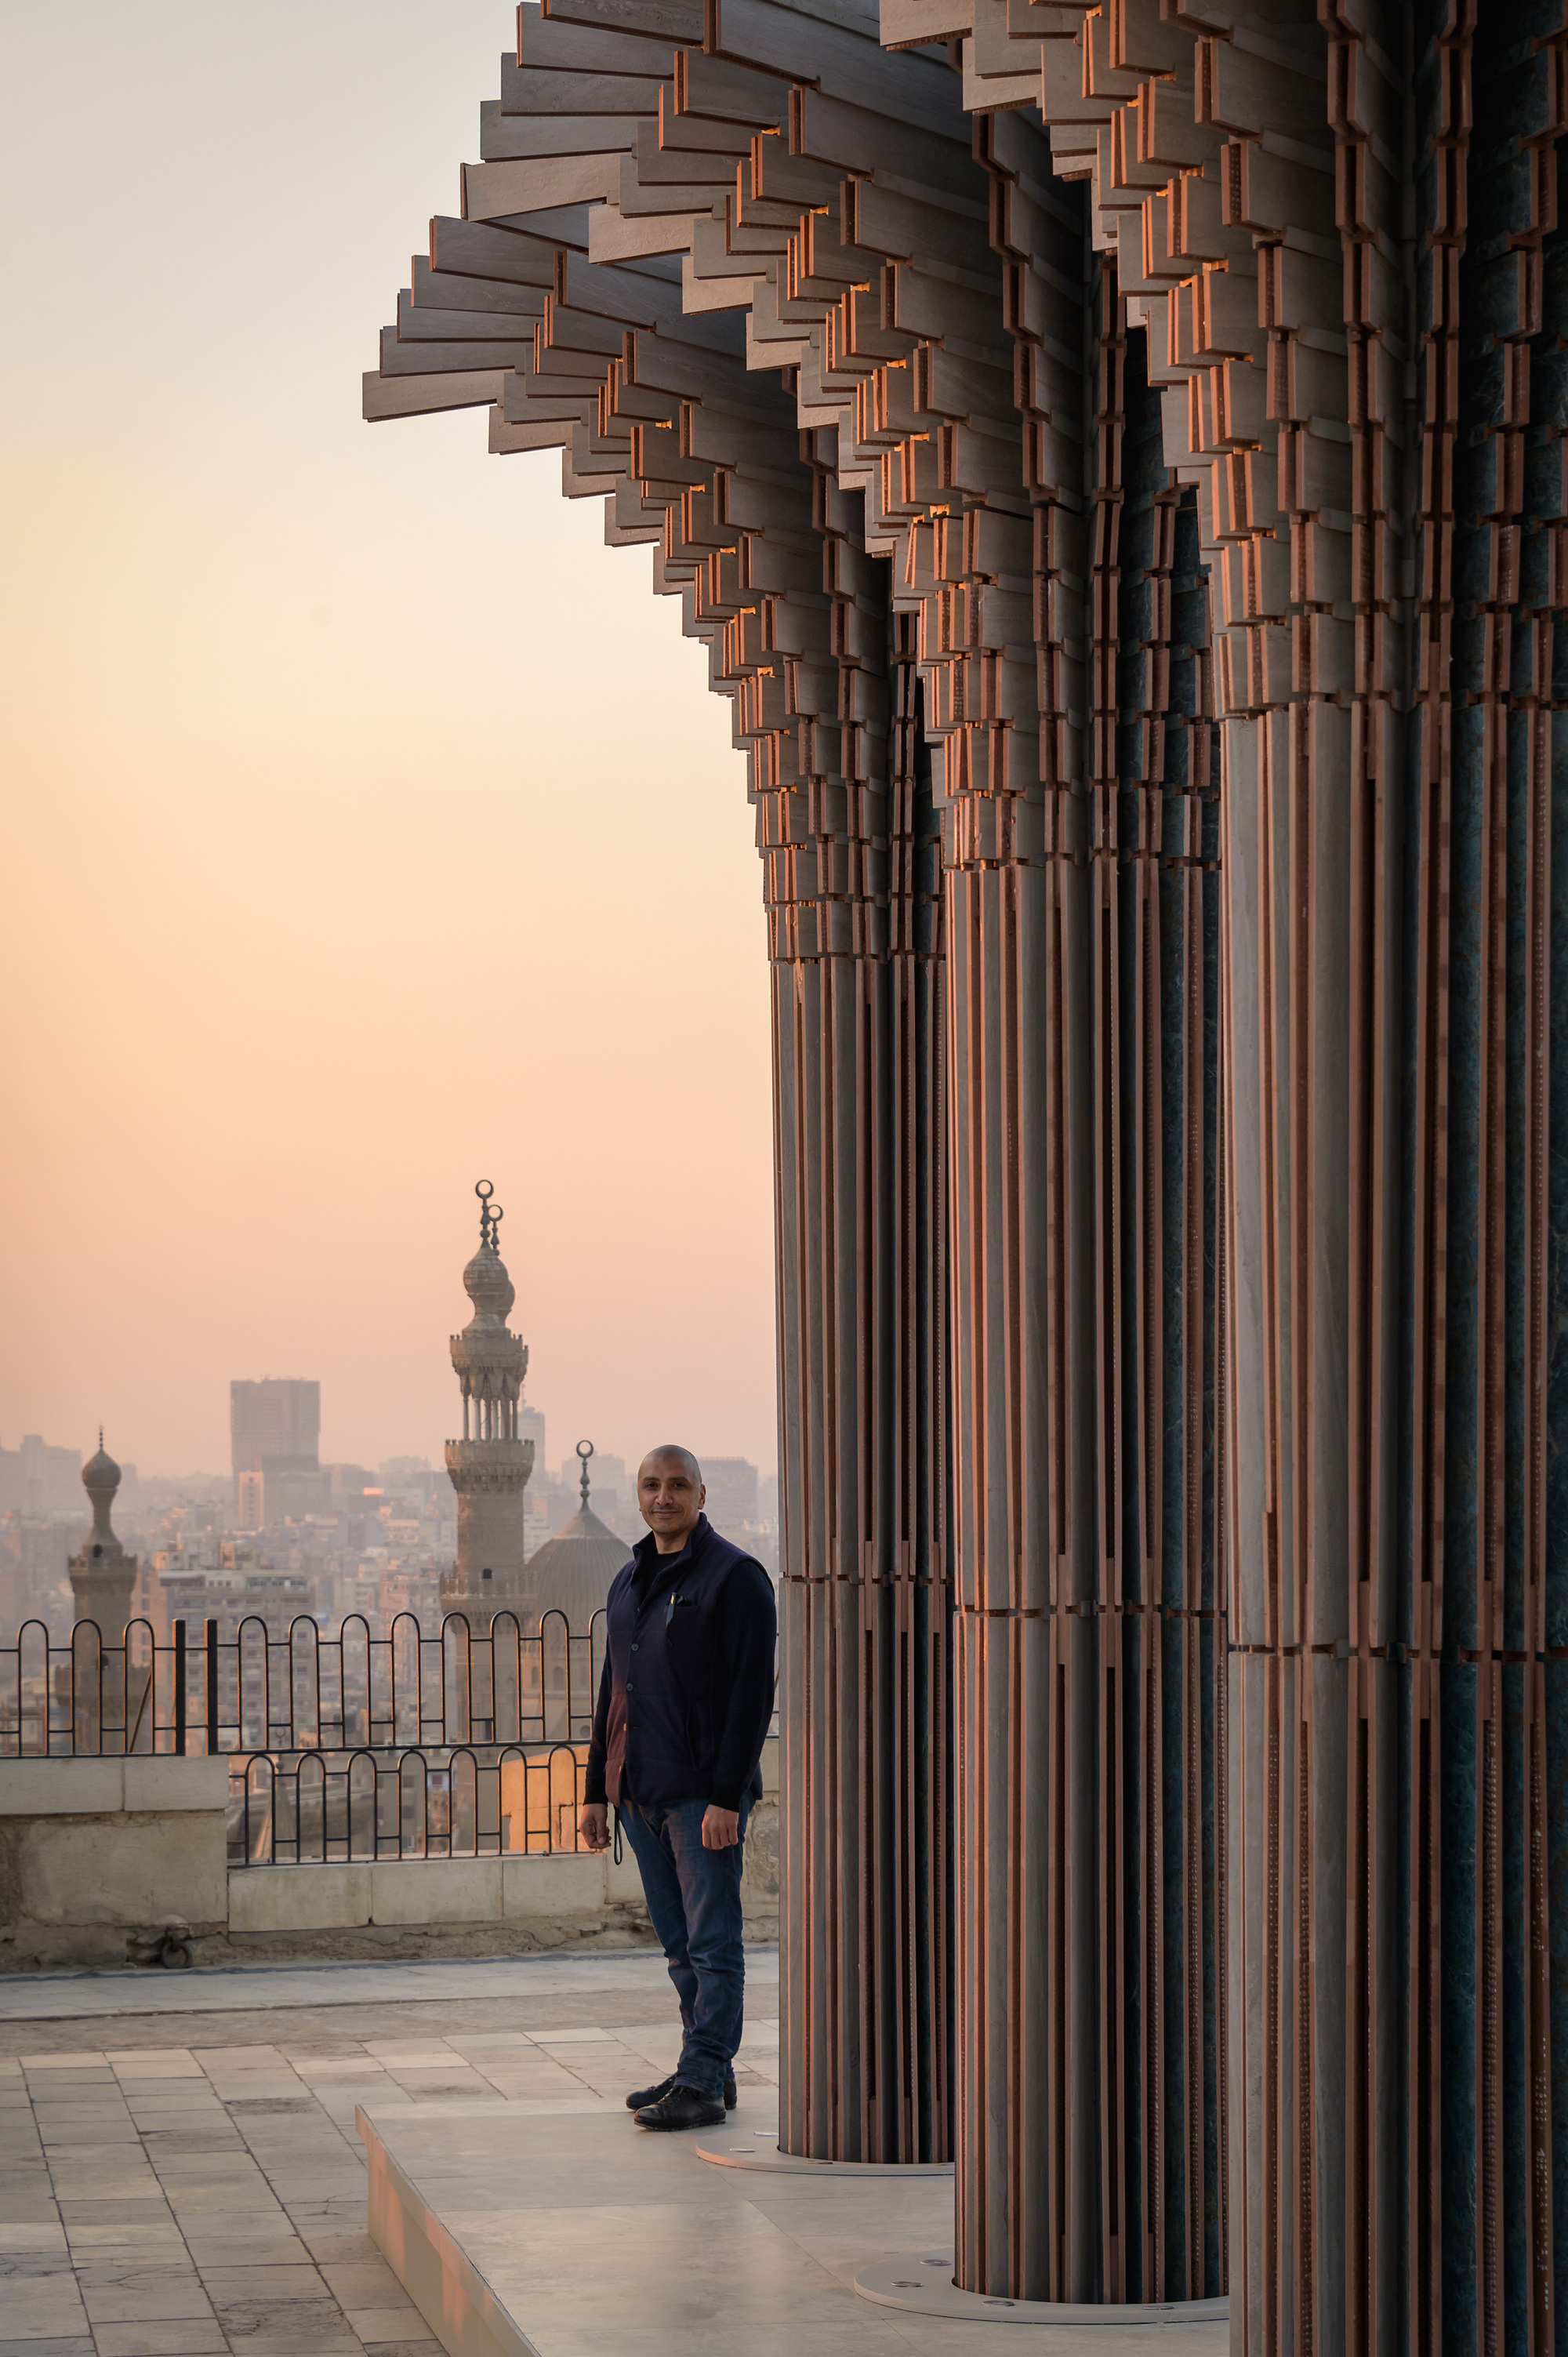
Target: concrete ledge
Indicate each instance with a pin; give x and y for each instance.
(105, 1788)
(571, 1884)
(623, 1882)
(298, 1897)
(123, 1871)
(518, 2227)
(432, 2267)
(61, 1788)
(174, 1784)
(436, 1891)
(441, 1892)
(96, 1854)
(620, 1933)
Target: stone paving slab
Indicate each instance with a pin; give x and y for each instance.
(80, 1996)
(208, 2200)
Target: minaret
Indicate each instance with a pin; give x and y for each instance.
(489, 1467)
(102, 1576)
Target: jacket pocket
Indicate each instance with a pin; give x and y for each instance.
(702, 1737)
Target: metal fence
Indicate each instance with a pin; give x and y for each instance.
(341, 1745)
(318, 1808)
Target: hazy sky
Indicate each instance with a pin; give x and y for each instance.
(369, 827)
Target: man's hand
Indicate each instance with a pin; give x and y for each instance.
(594, 1825)
(721, 1828)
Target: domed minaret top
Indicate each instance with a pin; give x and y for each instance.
(491, 1360)
(100, 1480)
(102, 1576)
(489, 1466)
(485, 1280)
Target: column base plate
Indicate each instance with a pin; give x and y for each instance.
(761, 2152)
(923, 2284)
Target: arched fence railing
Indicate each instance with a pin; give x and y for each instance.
(342, 1745)
(319, 1808)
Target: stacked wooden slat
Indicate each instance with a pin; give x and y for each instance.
(1493, 1740)
(1114, 458)
(643, 378)
(940, 455)
(1394, 1861)
(910, 294)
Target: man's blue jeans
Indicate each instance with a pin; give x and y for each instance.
(693, 1904)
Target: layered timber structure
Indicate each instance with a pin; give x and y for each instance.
(1117, 459)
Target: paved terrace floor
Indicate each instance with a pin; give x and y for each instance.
(179, 2170)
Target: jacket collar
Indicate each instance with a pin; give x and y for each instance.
(650, 1563)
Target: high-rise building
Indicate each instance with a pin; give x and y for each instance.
(731, 1485)
(531, 1426)
(489, 1466)
(274, 1426)
(38, 1478)
(251, 1499)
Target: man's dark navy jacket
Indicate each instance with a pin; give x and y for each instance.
(686, 1692)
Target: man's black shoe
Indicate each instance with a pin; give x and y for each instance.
(649, 2095)
(656, 2094)
(682, 2107)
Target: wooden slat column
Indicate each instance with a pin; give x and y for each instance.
(1492, 1582)
(1393, 809)
(861, 1304)
(1027, 1828)
(1292, 878)
(1025, 1656)
(1083, 927)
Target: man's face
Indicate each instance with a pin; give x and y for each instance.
(670, 1498)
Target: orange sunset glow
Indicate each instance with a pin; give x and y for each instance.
(341, 870)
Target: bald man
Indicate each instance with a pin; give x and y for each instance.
(685, 1699)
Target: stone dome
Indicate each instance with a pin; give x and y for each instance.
(101, 1554)
(487, 1284)
(101, 1472)
(572, 1572)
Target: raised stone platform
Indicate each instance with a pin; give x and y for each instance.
(537, 2230)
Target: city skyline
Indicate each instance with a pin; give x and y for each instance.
(339, 859)
(375, 1539)
(561, 1466)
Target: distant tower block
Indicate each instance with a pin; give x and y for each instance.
(489, 1467)
(102, 1576)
